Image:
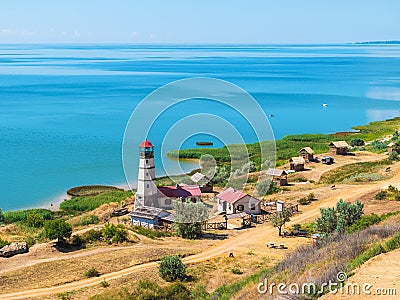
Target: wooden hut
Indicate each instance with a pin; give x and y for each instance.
(279, 176)
(339, 148)
(307, 153)
(297, 163)
(393, 147)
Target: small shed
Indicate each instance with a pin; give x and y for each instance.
(307, 153)
(339, 148)
(278, 175)
(297, 163)
(394, 147)
(148, 216)
(203, 181)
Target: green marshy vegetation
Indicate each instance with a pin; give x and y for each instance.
(290, 145)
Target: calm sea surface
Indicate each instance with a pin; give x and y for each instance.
(63, 108)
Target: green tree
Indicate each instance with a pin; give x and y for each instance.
(34, 220)
(281, 218)
(189, 218)
(57, 229)
(337, 220)
(1, 216)
(172, 268)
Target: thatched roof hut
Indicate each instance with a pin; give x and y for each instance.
(297, 163)
(307, 153)
(339, 147)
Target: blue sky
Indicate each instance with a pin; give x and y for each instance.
(205, 21)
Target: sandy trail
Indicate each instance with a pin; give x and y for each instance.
(257, 236)
(381, 272)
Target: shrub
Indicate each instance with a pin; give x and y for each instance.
(34, 220)
(189, 218)
(104, 284)
(171, 268)
(4, 243)
(114, 234)
(237, 271)
(356, 142)
(381, 195)
(151, 233)
(393, 156)
(378, 145)
(57, 229)
(92, 272)
(303, 201)
(311, 197)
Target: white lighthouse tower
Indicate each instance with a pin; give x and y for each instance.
(146, 194)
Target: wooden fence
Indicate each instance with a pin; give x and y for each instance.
(215, 226)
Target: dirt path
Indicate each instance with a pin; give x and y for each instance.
(258, 236)
(382, 273)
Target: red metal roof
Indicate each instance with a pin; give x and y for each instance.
(231, 195)
(146, 144)
(180, 191)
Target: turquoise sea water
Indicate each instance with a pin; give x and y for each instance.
(63, 108)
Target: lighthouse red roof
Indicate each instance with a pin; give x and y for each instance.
(146, 144)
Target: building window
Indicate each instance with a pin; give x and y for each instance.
(148, 185)
(240, 207)
(168, 201)
(147, 173)
(147, 161)
(252, 207)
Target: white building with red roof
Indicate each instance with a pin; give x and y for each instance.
(182, 192)
(232, 201)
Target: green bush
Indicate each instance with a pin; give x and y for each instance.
(104, 284)
(303, 201)
(172, 268)
(34, 220)
(22, 215)
(356, 142)
(237, 271)
(381, 195)
(114, 234)
(393, 156)
(4, 243)
(378, 145)
(92, 272)
(151, 233)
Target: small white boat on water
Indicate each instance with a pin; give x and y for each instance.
(324, 105)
